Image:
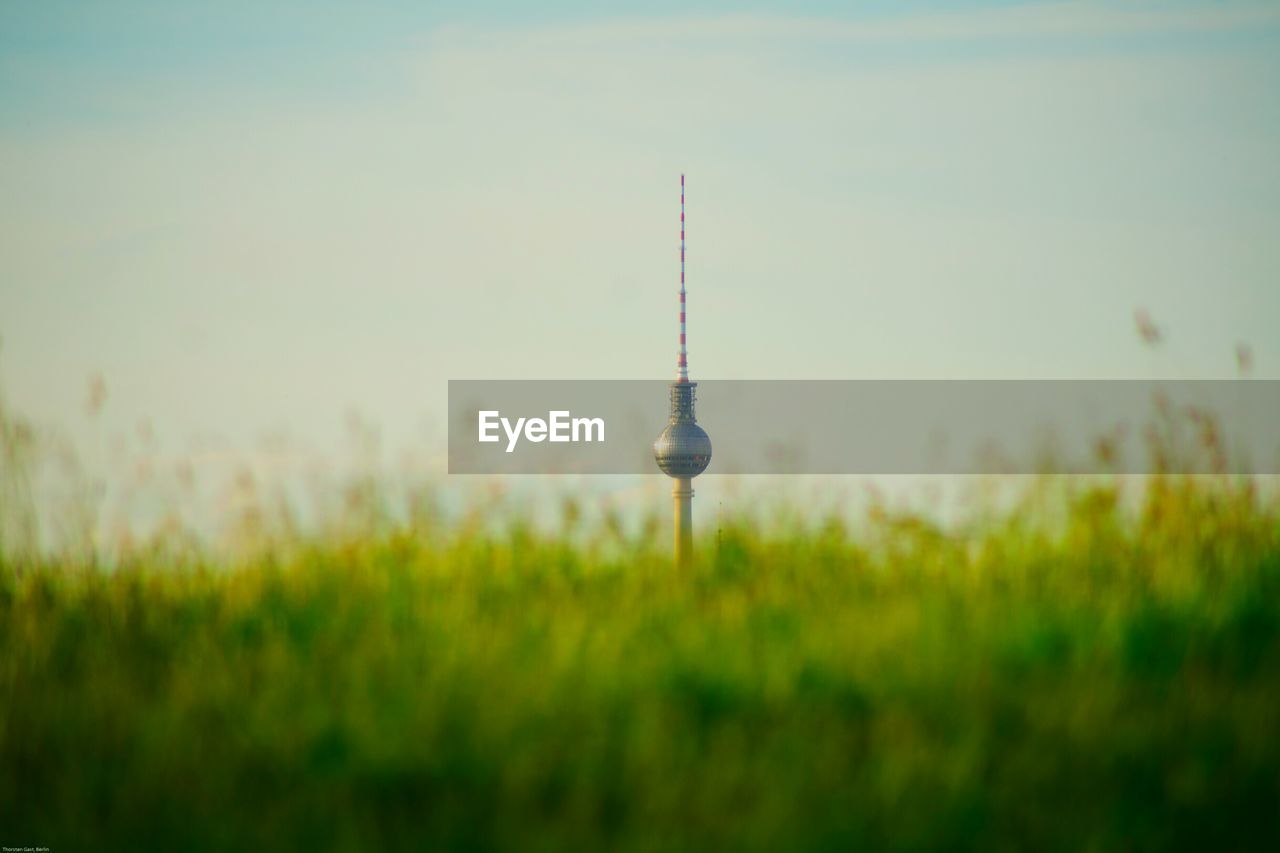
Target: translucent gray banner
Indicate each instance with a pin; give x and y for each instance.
(872, 427)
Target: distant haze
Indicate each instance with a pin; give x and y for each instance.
(252, 219)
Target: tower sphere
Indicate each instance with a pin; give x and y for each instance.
(682, 449)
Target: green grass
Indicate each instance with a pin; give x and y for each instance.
(1066, 675)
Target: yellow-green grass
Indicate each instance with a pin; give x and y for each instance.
(1068, 674)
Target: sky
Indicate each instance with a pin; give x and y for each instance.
(254, 219)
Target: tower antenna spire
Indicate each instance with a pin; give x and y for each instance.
(682, 362)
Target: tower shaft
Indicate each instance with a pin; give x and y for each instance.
(682, 500)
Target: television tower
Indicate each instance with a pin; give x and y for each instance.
(683, 449)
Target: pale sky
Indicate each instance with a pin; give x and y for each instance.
(254, 218)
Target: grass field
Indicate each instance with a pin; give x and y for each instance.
(1067, 674)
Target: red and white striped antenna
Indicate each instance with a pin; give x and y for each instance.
(682, 363)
